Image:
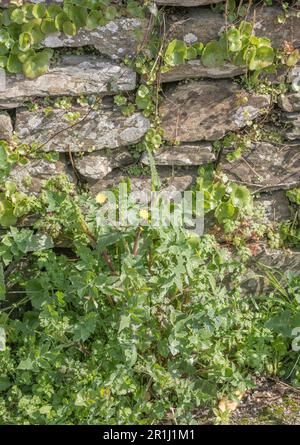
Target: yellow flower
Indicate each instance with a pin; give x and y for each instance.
(101, 198)
(144, 214)
(227, 405)
(104, 392)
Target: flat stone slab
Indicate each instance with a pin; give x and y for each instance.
(171, 181)
(6, 128)
(203, 25)
(97, 165)
(293, 121)
(92, 131)
(294, 74)
(207, 110)
(186, 3)
(195, 69)
(193, 154)
(30, 177)
(6, 3)
(116, 39)
(276, 205)
(289, 102)
(73, 76)
(281, 260)
(265, 167)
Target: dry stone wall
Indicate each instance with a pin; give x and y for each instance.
(200, 105)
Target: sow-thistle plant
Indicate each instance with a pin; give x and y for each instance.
(106, 324)
(126, 323)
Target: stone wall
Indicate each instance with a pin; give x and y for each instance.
(200, 106)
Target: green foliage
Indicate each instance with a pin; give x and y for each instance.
(294, 196)
(23, 29)
(226, 199)
(13, 205)
(102, 324)
(237, 45)
(164, 328)
(233, 9)
(213, 54)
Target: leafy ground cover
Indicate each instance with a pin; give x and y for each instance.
(133, 326)
(139, 325)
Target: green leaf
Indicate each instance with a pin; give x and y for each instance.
(36, 292)
(293, 58)
(198, 47)
(25, 41)
(233, 35)
(60, 19)
(2, 339)
(26, 365)
(213, 54)
(2, 283)
(86, 327)
(38, 64)
(224, 211)
(176, 53)
(262, 57)
(191, 53)
(110, 13)
(240, 196)
(246, 28)
(18, 16)
(39, 10)
(3, 61)
(234, 40)
(124, 322)
(93, 19)
(48, 26)
(53, 10)
(5, 383)
(109, 239)
(14, 65)
(284, 322)
(7, 217)
(69, 29)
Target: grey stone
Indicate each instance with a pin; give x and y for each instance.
(6, 3)
(265, 167)
(116, 39)
(275, 260)
(196, 154)
(276, 209)
(276, 206)
(194, 25)
(93, 131)
(203, 25)
(30, 177)
(289, 102)
(97, 165)
(73, 76)
(207, 110)
(186, 3)
(195, 69)
(293, 122)
(294, 74)
(6, 128)
(171, 181)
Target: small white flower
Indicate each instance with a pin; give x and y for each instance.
(190, 38)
